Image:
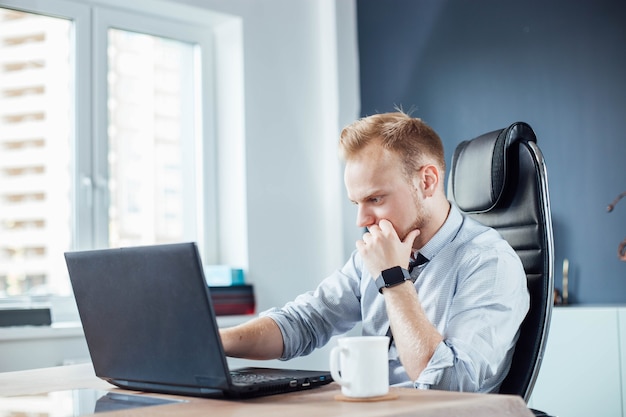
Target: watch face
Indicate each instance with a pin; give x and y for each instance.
(393, 276)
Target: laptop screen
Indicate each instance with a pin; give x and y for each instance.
(147, 315)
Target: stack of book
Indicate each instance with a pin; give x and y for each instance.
(233, 299)
(229, 292)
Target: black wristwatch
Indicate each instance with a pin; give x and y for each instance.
(392, 276)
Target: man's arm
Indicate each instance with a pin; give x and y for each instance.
(415, 337)
(259, 338)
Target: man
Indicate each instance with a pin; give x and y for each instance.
(454, 319)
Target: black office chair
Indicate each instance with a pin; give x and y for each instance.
(499, 179)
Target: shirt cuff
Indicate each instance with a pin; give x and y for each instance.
(442, 359)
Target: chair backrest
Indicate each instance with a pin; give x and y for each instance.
(499, 179)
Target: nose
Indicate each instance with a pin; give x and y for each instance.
(364, 217)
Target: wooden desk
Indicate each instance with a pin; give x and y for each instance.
(313, 403)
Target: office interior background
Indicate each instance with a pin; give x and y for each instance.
(468, 67)
(303, 71)
(289, 75)
(286, 77)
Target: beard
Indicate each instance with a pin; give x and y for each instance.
(421, 217)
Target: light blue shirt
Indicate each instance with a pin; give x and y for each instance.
(473, 290)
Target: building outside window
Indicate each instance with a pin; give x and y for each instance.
(35, 152)
(118, 164)
(146, 124)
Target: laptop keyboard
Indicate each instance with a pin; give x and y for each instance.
(255, 378)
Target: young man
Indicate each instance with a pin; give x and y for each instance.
(454, 318)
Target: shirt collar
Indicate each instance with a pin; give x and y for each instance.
(444, 235)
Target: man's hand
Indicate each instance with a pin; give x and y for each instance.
(381, 248)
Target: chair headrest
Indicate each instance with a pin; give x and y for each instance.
(479, 167)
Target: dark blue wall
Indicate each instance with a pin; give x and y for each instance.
(469, 67)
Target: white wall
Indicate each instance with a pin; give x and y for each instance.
(300, 89)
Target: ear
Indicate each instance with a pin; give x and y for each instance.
(427, 180)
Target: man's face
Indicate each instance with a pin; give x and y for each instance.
(377, 185)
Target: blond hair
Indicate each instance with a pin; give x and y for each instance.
(410, 138)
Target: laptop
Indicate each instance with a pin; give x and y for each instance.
(150, 325)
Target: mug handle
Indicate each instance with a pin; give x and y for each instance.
(334, 366)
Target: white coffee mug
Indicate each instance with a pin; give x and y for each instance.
(361, 366)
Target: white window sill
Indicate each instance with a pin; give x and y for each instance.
(74, 329)
(56, 330)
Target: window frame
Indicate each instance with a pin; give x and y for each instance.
(89, 35)
(105, 19)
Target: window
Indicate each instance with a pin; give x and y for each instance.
(105, 136)
(150, 113)
(35, 175)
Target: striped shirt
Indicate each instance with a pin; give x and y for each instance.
(473, 290)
